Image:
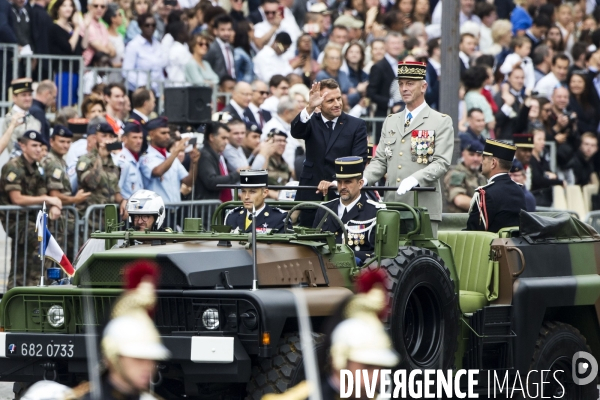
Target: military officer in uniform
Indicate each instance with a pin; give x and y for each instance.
(253, 193)
(461, 181)
(97, 173)
(129, 160)
(354, 208)
(496, 205)
(416, 145)
(517, 174)
(23, 183)
(22, 98)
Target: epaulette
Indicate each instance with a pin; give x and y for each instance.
(238, 208)
(329, 201)
(376, 204)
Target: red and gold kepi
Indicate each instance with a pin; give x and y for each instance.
(523, 140)
(411, 70)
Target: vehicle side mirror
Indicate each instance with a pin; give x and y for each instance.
(388, 234)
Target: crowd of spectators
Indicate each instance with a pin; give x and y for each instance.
(527, 66)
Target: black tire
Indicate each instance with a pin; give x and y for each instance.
(554, 350)
(282, 371)
(424, 318)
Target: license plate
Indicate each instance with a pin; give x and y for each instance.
(51, 350)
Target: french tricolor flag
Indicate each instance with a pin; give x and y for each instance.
(49, 248)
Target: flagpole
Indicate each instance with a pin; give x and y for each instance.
(43, 243)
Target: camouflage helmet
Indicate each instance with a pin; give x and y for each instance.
(146, 202)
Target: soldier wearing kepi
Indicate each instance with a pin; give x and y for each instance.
(253, 194)
(354, 208)
(461, 181)
(97, 173)
(22, 90)
(496, 205)
(23, 183)
(416, 145)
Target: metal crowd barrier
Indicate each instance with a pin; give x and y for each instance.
(19, 223)
(9, 70)
(175, 215)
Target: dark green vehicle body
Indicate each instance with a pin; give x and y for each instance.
(517, 282)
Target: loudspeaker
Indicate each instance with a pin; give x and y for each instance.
(188, 105)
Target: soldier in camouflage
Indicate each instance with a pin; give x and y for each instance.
(461, 181)
(271, 159)
(23, 183)
(98, 174)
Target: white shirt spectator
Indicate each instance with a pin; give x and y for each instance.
(235, 157)
(270, 105)
(142, 55)
(288, 25)
(179, 56)
(119, 45)
(547, 84)
(526, 64)
(289, 155)
(267, 63)
(485, 37)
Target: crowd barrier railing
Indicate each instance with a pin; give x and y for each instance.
(9, 70)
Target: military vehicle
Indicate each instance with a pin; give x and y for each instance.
(526, 298)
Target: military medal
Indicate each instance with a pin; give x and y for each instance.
(422, 145)
(357, 248)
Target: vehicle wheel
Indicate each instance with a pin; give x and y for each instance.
(282, 371)
(424, 318)
(554, 350)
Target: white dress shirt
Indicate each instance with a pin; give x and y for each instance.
(140, 56)
(267, 63)
(270, 105)
(349, 207)
(238, 109)
(288, 25)
(547, 84)
(304, 117)
(414, 112)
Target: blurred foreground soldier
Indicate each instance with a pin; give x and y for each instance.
(461, 181)
(355, 210)
(97, 173)
(496, 205)
(254, 192)
(359, 342)
(131, 344)
(517, 174)
(416, 145)
(49, 390)
(23, 184)
(146, 211)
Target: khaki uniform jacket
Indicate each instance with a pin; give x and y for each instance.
(395, 159)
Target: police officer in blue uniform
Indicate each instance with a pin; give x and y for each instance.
(498, 204)
(253, 193)
(129, 160)
(354, 208)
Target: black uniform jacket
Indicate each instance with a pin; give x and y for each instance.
(270, 218)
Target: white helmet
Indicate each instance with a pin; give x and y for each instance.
(146, 202)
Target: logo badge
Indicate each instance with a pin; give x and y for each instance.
(12, 348)
(585, 368)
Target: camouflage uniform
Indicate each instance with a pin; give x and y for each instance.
(461, 180)
(57, 178)
(279, 171)
(29, 179)
(99, 177)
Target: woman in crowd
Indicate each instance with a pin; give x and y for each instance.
(580, 101)
(555, 39)
(303, 63)
(564, 21)
(67, 41)
(114, 19)
(179, 55)
(138, 7)
(330, 68)
(501, 35)
(93, 106)
(421, 12)
(355, 58)
(242, 51)
(376, 52)
(198, 71)
(97, 32)
(542, 178)
(406, 8)
(473, 80)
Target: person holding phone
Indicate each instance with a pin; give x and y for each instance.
(278, 19)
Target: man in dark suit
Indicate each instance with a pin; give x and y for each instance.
(256, 115)
(240, 99)
(45, 96)
(220, 53)
(354, 208)
(143, 102)
(496, 205)
(253, 194)
(382, 75)
(329, 135)
(212, 168)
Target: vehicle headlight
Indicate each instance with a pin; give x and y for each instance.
(210, 318)
(56, 316)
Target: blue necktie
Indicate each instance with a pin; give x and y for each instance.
(408, 120)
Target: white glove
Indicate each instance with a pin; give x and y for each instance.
(406, 185)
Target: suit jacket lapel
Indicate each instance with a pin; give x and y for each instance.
(400, 126)
(339, 125)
